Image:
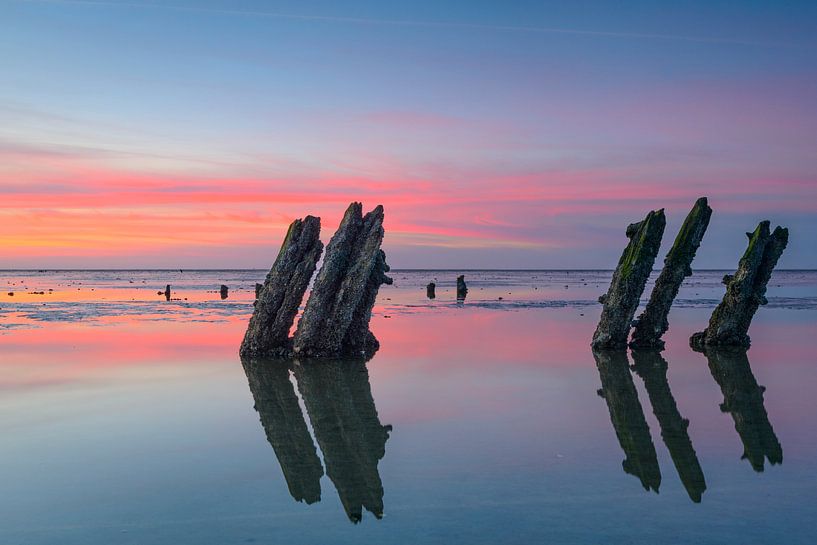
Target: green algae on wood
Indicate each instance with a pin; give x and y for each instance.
(652, 323)
(630, 277)
(745, 291)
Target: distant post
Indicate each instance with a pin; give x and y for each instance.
(462, 288)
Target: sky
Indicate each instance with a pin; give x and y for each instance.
(189, 134)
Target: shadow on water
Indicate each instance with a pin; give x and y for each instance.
(743, 399)
(339, 403)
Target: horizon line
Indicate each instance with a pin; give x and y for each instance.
(393, 269)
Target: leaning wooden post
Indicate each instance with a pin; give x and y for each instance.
(277, 301)
(745, 291)
(335, 321)
(653, 323)
(634, 268)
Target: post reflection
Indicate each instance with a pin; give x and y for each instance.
(285, 427)
(627, 416)
(743, 399)
(338, 400)
(652, 368)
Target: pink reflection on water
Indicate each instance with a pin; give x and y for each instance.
(61, 353)
(476, 337)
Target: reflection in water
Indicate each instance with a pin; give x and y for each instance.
(286, 430)
(631, 428)
(743, 398)
(338, 399)
(652, 368)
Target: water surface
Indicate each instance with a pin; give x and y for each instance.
(128, 418)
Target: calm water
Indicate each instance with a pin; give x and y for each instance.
(127, 418)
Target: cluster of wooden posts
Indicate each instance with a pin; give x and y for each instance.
(462, 289)
(335, 321)
(729, 324)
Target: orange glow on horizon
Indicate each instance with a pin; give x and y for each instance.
(75, 208)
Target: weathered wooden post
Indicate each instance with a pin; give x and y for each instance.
(652, 323)
(462, 288)
(336, 318)
(630, 277)
(278, 300)
(745, 290)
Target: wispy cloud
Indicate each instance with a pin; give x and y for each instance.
(444, 25)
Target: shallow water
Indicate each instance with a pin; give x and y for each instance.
(128, 418)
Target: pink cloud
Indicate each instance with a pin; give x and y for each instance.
(74, 205)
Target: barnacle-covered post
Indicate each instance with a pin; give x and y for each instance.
(630, 277)
(336, 318)
(277, 301)
(652, 323)
(745, 291)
